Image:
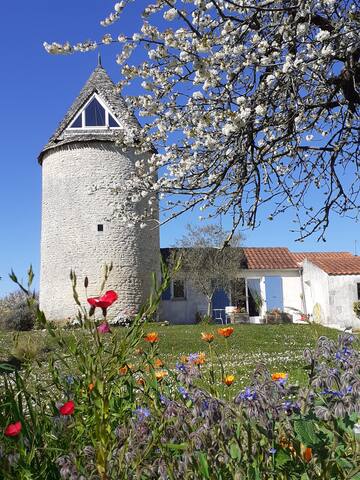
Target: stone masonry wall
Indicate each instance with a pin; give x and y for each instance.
(69, 236)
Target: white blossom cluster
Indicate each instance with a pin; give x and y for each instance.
(246, 103)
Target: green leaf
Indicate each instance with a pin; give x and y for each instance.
(203, 464)
(304, 476)
(344, 463)
(235, 451)
(305, 432)
(282, 457)
(176, 446)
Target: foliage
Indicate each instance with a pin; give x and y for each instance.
(356, 309)
(115, 418)
(210, 260)
(263, 97)
(16, 313)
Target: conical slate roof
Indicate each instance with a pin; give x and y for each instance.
(99, 82)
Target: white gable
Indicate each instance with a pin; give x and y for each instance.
(95, 114)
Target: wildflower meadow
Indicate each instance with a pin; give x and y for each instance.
(111, 406)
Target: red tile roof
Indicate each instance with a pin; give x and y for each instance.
(269, 258)
(279, 258)
(347, 265)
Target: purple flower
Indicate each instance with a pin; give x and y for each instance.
(248, 394)
(272, 451)
(181, 367)
(164, 400)
(184, 393)
(142, 413)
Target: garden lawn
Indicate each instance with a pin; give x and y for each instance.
(279, 347)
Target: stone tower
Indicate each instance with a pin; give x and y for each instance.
(80, 164)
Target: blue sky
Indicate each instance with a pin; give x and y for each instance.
(36, 91)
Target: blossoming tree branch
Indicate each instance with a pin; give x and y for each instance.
(247, 103)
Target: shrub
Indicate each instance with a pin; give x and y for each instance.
(356, 309)
(16, 312)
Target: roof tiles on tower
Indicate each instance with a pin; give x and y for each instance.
(99, 82)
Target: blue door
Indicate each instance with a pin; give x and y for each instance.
(220, 301)
(274, 293)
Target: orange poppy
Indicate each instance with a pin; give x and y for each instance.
(91, 387)
(151, 337)
(160, 374)
(200, 359)
(307, 454)
(278, 376)
(207, 337)
(158, 363)
(123, 370)
(225, 332)
(140, 381)
(229, 380)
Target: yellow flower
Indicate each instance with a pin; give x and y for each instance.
(160, 374)
(225, 332)
(151, 337)
(207, 337)
(229, 380)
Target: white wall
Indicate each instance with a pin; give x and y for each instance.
(183, 310)
(291, 284)
(342, 294)
(71, 211)
(316, 289)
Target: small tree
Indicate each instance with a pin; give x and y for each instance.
(209, 261)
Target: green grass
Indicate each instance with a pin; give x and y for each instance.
(279, 347)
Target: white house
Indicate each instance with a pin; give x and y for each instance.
(321, 284)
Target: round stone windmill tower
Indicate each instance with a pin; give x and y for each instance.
(81, 164)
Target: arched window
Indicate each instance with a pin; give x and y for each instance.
(94, 115)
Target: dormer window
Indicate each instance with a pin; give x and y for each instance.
(94, 115)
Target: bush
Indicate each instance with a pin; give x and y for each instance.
(16, 312)
(356, 309)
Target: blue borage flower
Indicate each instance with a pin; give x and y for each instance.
(248, 394)
(337, 393)
(181, 367)
(193, 357)
(291, 406)
(142, 413)
(184, 393)
(164, 400)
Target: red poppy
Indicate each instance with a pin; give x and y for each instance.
(105, 301)
(68, 408)
(13, 430)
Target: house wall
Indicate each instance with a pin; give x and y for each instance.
(342, 294)
(316, 290)
(183, 311)
(291, 285)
